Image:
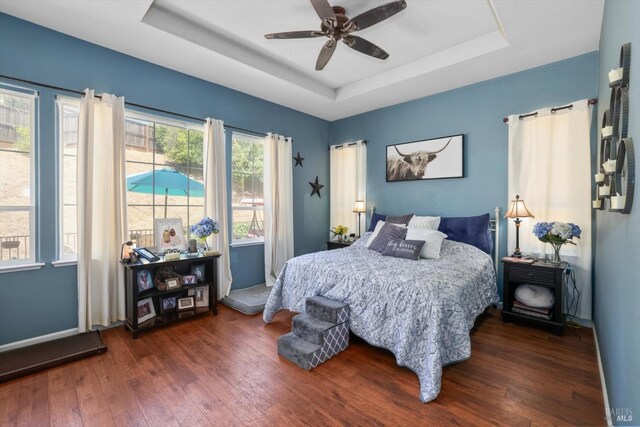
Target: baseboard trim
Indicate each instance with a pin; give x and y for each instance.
(605, 395)
(38, 340)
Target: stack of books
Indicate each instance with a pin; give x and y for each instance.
(542, 313)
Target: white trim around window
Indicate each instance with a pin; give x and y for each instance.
(65, 257)
(29, 263)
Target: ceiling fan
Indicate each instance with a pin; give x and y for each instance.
(337, 26)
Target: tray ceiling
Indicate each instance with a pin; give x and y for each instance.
(434, 45)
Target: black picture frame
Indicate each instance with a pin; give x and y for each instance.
(198, 270)
(144, 279)
(189, 279)
(146, 254)
(416, 160)
(168, 304)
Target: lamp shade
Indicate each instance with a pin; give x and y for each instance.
(518, 209)
(359, 206)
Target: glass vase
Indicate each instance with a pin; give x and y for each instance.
(556, 253)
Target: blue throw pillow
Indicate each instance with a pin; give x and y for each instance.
(471, 230)
(374, 220)
(387, 233)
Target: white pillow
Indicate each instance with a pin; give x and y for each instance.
(377, 230)
(431, 222)
(432, 241)
(535, 296)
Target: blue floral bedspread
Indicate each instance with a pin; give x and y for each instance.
(422, 311)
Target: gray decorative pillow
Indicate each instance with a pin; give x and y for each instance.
(387, 233)
(408, 249)
(399, 219)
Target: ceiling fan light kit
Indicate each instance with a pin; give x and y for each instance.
(336, 26)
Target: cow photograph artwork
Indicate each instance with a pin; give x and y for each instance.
(427, 159)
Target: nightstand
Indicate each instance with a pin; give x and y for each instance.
(333, 244)
(538, 273)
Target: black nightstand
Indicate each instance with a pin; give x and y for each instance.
(540, 274)
(332, 244)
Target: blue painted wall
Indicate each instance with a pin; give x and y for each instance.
(39, 302)
(617, 264)
(475, 111)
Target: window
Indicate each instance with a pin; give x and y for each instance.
(17, 177)
(247, 188)
(164, 174)
(68, 120)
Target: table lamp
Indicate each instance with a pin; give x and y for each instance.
(125, 254)
(518, 210)
(359, 208)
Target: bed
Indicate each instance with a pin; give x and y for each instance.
(422, 311)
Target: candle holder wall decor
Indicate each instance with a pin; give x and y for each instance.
(615, 179)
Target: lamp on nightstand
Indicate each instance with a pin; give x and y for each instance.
(518, 210)
(359, 208)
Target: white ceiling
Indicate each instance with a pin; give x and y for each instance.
(434, 45)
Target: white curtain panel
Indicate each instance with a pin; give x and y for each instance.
(550, 169)
(215, 198)
(102, 211)
(278, 205)
(348, 164)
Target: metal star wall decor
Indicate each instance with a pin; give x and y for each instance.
(316, 187)
(298, 160)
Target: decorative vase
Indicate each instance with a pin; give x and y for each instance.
(203, 241)
(340, 238)
(556, 253)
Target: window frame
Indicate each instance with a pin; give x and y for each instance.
(61, 101)
(245, 241)
(166, 121)
(11, 264)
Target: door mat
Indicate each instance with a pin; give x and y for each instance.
(248, 301)
(38, 357)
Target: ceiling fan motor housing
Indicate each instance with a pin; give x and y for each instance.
(340, 17)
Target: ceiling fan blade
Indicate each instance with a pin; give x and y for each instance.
(324, 10)
(375, 15)
(365, 46)
(325, 54)
(295, 35)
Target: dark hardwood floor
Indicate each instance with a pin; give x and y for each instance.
(224, 370)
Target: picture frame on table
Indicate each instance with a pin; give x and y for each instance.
(189, 279)
(200, 295)
(146, 254)
(144, 280)
(198, 271)
(172, 283)
(169, 234)
(186, 303)
(146, 310)
(168, 304)
(435, 158)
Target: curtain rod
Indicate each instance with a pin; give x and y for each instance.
(592, 101)
(132, 104)
(338, 146)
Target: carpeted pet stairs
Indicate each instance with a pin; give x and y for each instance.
(317, 335)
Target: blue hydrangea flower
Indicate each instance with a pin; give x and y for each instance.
(556, 232)
(204, 228)
(575, 230)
